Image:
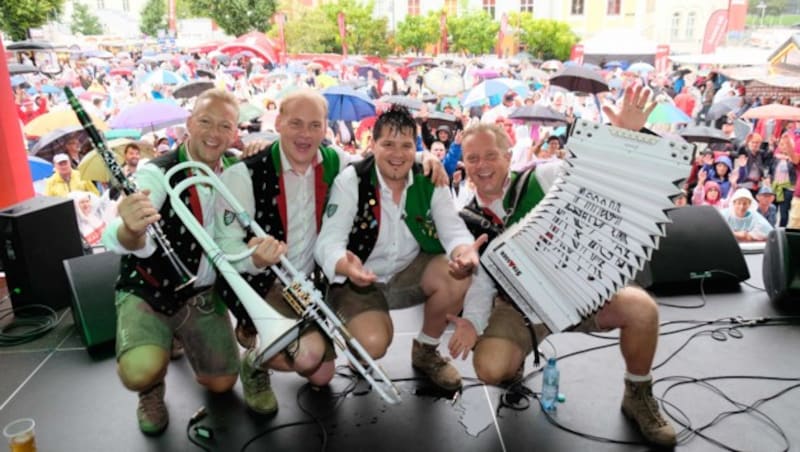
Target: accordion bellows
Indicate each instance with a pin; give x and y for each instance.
(596, 227)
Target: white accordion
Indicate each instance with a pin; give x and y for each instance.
(596, 227)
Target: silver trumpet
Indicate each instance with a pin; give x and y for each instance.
(274, 330)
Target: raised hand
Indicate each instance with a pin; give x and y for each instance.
(466, 258)
(464, 337)
(352, 267)
(433, 167)
(633, 112)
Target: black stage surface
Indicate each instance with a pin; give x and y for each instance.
(79, 404)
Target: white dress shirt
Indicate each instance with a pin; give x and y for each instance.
(301, 228)
(151, 177)
(396, 246)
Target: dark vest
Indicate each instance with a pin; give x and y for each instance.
(153, 278)
(270, 214)
(366, 224)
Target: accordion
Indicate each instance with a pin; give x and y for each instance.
(595, 228)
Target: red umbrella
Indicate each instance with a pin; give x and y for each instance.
(773, 111)
(120, 71)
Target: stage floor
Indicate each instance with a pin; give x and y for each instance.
(79, 404)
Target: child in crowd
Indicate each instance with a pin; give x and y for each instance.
(747, 225)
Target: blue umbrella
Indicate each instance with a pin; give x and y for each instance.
(40, 168)
(345, 103)
(46, 89)
(667, 113)
(163, 77)
(123, 133)
(615, 64)
(495, 87)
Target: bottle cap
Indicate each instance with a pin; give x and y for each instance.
(561, 397)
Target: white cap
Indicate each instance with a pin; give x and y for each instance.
(58, 158)
(742, 193)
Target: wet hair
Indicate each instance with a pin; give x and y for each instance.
(303, 94)
(501, 138)
(397, 119)
(220, 95)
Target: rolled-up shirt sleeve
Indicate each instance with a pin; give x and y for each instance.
(148, 177)
(449, 226)
(228, 232)
(338, 220)
(479, 300)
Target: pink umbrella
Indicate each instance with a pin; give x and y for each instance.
(773, 111)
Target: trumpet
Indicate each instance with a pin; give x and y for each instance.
(274, 330)
(185, 277)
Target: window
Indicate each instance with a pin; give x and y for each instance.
(101, 4)
(613, 7)
(675, 27)
(577, 7)
(413, 7)
(690, 25)
(126, 5)
(451, 7)
(488, 6)
(526, 6)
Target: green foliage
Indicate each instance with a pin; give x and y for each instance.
(473, 32)
(416, 32)
(236, 17)
(311, 31)
(545, 38)
(84, 22)
(17, 16)
(774, 7)
(365, 34)
(154, 17)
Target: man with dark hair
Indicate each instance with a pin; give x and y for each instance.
(383, 244)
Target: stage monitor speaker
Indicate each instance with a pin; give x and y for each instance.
(91, 281)
(699, 245)
(781, 266)
(37, 235)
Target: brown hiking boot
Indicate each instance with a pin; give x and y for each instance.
(639, 405)
(258, 394)
(152, 412)
(427, 360)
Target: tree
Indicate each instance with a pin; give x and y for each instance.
(773, 7)
(17, 16)
(416, 32)
(473, 32)
(154, 17)
(545, 38)
(312, 31)
(236, 17)
(365, 34)
(84, 22)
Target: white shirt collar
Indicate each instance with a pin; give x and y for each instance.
(286, 165)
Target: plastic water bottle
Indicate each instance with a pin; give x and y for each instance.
(550, 385)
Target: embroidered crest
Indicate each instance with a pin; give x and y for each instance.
(331, 210)
(229, 217)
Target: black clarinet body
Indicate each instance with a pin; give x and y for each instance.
(154, 230)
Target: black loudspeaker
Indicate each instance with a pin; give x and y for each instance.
(699, 245)
(37, 235)
(781, 266)
(91, 281)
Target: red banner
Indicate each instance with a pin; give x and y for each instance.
(171, 18)
(737, 15)
(576, 54)
(662, 59)
(342, 32)
(501, 34)
(716, 28)
(443, 33)
(280, 20)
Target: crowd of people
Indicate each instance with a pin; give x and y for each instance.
(371, 208)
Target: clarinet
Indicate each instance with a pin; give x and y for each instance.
(185, 277)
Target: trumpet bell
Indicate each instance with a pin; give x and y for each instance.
(275, 334)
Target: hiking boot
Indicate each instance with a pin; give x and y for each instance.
(176, 351)
(152, 412)
(258, 393)
(639, 405)
(426, 359)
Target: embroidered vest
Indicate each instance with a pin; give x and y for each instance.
(270, 213)
(366, 224)
(153, 278)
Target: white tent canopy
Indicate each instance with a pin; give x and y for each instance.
(726, 56)
(618, 42)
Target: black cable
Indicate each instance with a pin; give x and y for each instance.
(196, 417)
(26, 328)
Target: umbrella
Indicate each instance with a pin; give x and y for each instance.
(16, 68)
(704, 134)
(773, 111)
(486, 73)
(30, 45)
(46, 89)
(552, 65)
(444, 81)
(92, 166)
(54, 142)
(668, 113)
(48, 122)
(641, 68)
(205, 73)
(437, 118)
(580, 79)
(40, 168)
(494, 87)
(363, 71)
(269, 137)
(355, 83)
(123, 133)
(120, 71)
(533, 73)
(422, 63)
(192, 89)
(146, 149)
(235, 70)
(153, 114)
(408, 102)
(545, 116)
(325, 81)
(162, 77)
(724, 107)
(345, 103)
(248, 112)
(615, 64)
(97, 53)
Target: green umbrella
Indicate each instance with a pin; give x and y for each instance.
(123, 133)
(248, 112)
